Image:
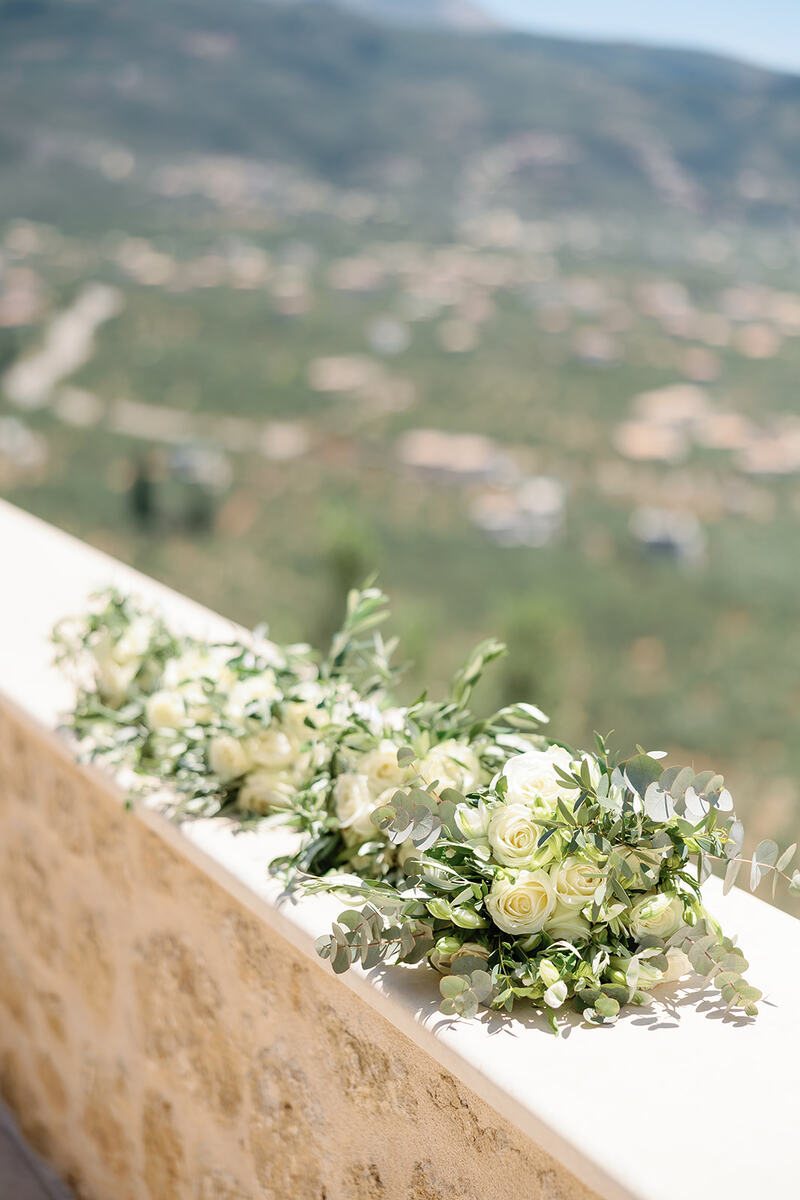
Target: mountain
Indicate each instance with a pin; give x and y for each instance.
(442, 120)
(445, 14)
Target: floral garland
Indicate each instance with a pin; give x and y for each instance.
(517, 867)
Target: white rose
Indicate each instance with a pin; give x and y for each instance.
(513, 835)
(310, 691)
(246, 691)
(406, 851)
(566, 923)
(656, 915)
(165, 710)
(263, 791)
(355, 803)
(196, 702)
(532, 778)
(521, 905)
(198, 663)
(472, 820)
(295, 715)
(393, 719)
(270, 749)
(469, 950)
(678, 965)
(639, 858)
(227, 757)
(454, 764)
(575, 880)
(382, 769)
(135, 641)
(113, 679)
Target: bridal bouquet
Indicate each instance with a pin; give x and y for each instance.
(520, 869)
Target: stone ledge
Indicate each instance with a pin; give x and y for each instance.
(604, 1107)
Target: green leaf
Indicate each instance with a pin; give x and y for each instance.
(681, 782)
(481, 985)
(607, 1006)
(641, 771)
(735, 839)
(734, 867)
(452, 985)
(341, 960)
(764, 859)
(786, 857)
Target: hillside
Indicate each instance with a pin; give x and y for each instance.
(448, 14)
(442, 121)
(513, 322)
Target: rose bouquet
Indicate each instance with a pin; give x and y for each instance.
(248, 729)
(565, 878)
(241, 727)
(520, 869)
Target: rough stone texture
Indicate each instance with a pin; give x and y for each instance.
(157, 1040)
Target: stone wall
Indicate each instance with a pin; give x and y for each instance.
(159, 1040)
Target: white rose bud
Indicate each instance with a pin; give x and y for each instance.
(165, 710)
(472, 820)
(454, 764)
(548, 972)
(271, 749)
(382, 769)
(678, 965)
(210, 662)
(469, 950)
(656, 915)
(227, 757)
(264, 791)
(513, 835)
(575, 880)
(196, 702)
(295, 717)
(355, 803)
(135, 641)
(521, 905)
(406, 852)
(555, 995)
(113, 679)
(532, 778)
(258, 687)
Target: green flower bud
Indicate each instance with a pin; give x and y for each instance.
(614, 975)
(466, 917)
(448, 946)
(548, 972)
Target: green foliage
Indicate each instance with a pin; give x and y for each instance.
(411, 816)
(371, 935)
(357, 651)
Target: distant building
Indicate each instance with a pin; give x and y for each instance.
(665, 533)
(532, 514)
(467, 457)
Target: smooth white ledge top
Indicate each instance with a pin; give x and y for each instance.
(676, 1102)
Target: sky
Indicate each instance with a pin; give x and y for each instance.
(760, 31)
